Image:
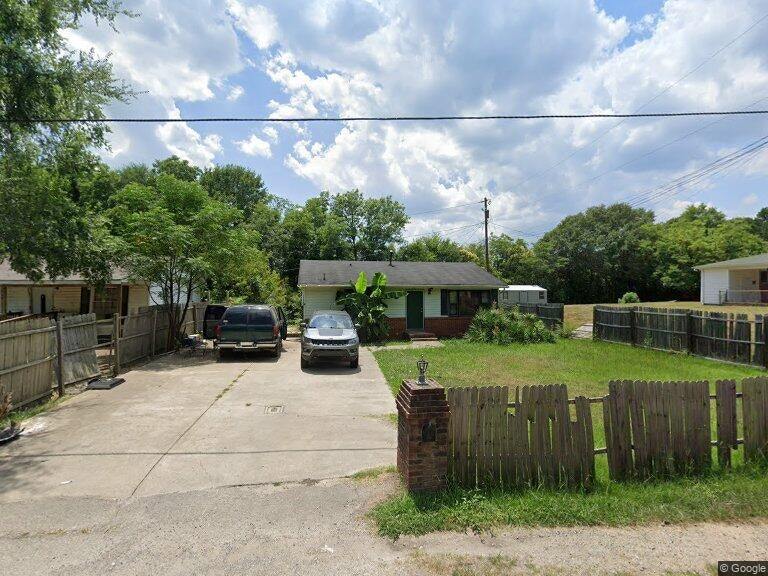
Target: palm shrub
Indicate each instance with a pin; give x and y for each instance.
(367, 305)
(508, 326)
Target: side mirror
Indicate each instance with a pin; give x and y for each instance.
(303, 325)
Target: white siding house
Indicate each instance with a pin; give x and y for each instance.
(440, 298)
(68, 295)
(737, 281)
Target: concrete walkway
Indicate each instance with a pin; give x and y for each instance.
(190, 423)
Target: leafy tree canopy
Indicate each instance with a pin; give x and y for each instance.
(235, 185)
(174, 235)
(436, 249)
(50, 181)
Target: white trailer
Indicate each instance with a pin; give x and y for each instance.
(522, 294)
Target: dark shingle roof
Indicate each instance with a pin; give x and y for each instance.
(342, 272)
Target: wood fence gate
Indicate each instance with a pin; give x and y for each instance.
(79, 342)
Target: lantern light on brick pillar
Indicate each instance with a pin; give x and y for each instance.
(422, 432)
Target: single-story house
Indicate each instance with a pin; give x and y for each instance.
(522, 294)
(737, 281)
(69, 295)
(441, 297)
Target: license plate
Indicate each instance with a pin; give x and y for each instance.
(246, 343)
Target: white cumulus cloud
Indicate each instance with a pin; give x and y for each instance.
(254, 146)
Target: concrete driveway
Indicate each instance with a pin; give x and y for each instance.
(185, 423)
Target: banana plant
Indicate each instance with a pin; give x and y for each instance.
(367, 305)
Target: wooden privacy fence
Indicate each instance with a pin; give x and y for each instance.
(537, 444)
(27, 354)
(652, 429)
(551, 314)
(78, 344)
(732, 337)
(40, 354)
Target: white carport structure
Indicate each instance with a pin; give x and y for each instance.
(737, 281)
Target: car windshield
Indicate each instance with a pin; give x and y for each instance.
(331, 321)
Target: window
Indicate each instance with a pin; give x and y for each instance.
(236, 315)
(261, 316)
(542, 295)
(331, 321)
(465, 302)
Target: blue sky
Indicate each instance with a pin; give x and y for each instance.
(366, 57)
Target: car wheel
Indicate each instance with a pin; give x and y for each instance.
(278, 350)
(224, 353)
(304, 363)
(354, 363)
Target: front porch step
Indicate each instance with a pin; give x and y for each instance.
(420, 336)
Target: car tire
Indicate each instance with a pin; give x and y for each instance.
(278, 350)
(224, 353)
(354, 363)
(304, 363)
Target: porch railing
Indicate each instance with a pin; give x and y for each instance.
(744, 296)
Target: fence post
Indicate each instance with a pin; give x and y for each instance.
(632, 320)
(60, 355)
(765, 341)
(116, 341)
(594, 322)
(194, 319)
(688, 332)
(154, 330)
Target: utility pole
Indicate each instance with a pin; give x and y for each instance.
(486, 213)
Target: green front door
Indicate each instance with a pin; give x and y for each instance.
(414, 310)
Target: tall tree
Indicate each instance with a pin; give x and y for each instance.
(370, 226)
(174, 235)
(435, 248)
(514, 261)
(598, 254)
(175, 166)
(44, 162)
(235, 185)
(701, 234)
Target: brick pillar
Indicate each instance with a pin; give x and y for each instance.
(422, 435)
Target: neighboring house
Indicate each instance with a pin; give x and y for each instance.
(70, 295)
(522, 294)
(441, 297)
(737, 281)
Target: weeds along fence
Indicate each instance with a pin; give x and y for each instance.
(721, 336)
(38, 355)
(551, 314)
(651, 429)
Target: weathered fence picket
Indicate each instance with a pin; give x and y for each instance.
(537, 443)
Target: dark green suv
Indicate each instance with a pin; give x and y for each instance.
(251, 327)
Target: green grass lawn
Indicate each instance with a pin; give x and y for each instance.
(720, 496)
(586, 367)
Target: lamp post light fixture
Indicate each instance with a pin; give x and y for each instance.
(422, 364)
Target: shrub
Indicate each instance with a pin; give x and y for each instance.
(508, 326)
(367, 305)
(629, 298)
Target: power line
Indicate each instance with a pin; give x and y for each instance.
(446, 230)
(656, 149)
(713, 168)
(445, 209)
(257, 119)
(653, 98)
